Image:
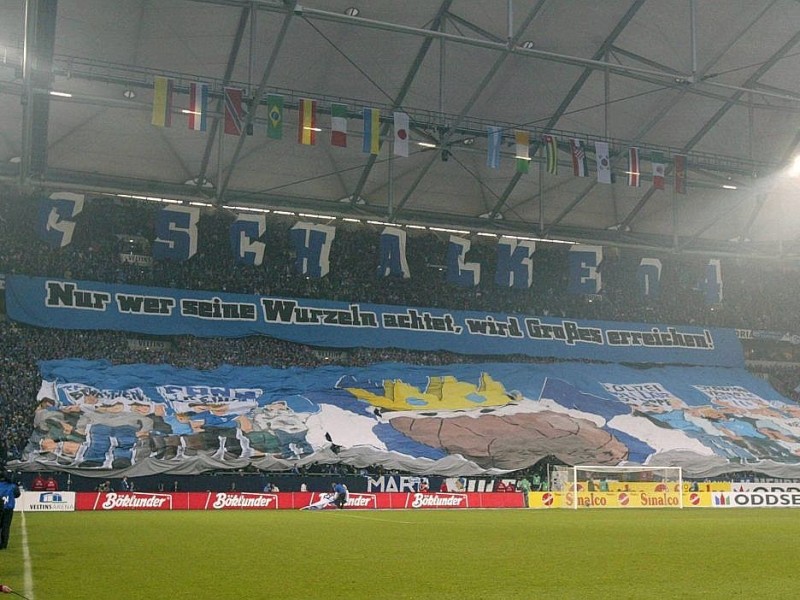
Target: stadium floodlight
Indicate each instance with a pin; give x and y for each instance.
(447, 230)
(316, 216)
(632, 486)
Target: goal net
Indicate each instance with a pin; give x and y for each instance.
(593, 486)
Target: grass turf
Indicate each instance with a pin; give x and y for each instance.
(508, 554)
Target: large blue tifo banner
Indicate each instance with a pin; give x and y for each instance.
(446, 420)
(70, 304)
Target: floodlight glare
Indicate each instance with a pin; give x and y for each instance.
(794, 170)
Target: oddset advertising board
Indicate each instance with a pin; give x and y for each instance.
(106, 501)
(761, 499)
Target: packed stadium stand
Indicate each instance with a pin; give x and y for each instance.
(472, 286)
(526, 391)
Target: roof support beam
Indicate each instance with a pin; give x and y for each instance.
(748, 86)
(479, 30)
(597, 64)
(248, 123)
(312, 13)
(573, 92)
(401, 95)
(40, 28)
(212, 132)
(645, 61)
(577, 200)
(475, 95)
(766, 66)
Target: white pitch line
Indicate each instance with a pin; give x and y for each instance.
(365, 518)
(26, 561)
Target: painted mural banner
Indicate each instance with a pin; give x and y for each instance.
(453, 421)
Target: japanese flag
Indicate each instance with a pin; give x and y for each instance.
(401, 134)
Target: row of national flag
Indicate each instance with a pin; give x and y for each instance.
(236, 122)
(235, 117)
(580, 167)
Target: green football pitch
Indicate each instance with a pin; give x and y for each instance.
(441, 554)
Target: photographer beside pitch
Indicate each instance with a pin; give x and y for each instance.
(9, 492)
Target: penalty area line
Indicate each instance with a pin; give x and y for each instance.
(26, 561)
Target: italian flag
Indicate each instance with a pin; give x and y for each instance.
(339, 125)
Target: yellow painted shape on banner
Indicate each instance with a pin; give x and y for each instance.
(441, 393)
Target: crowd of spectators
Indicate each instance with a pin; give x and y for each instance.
(756, 296)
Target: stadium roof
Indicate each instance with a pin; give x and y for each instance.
(715, 81)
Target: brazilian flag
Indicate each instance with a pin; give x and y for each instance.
(275, 114)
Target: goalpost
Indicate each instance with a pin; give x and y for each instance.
(597, 486)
